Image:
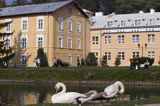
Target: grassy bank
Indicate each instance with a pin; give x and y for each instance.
(81, 74)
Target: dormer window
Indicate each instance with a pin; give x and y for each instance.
(137, 22)
(110, 23)
(123, 23)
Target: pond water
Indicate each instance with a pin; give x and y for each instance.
(21, 95)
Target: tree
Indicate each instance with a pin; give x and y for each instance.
(2, 3)
(43, 58)
(117, 61)
(6, 52)
(20, 2)
(91, 59)
(104, 61)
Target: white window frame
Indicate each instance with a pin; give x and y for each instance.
(23, 44)
(121, 55)
(70, 42)
(8, 27)
(70, 25)
(69, 59)
(107, 39)
(60, 23)
(95, 40)
(151, 54)
(8, 41)
(78, 43)
(24, 25)
(135, 39)
(60, 41)
(21, 59)
(37, 40)
(79, 26)
(108, 55)
(151, 38)
(135, 54)
(40, 27)
(121, 39)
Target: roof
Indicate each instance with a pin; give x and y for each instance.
(34, 8)
(99, 22)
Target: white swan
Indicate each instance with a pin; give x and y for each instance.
(109, 92)
(114, 89)
(65, 97)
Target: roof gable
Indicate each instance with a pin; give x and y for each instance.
(34, 8)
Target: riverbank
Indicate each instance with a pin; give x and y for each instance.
(81, 75)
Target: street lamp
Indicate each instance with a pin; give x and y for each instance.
(142, 47)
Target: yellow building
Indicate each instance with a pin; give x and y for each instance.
(126, 36)
(62, 29)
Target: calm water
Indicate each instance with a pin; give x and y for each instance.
(21, 95)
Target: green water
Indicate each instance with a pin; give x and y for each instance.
(21, 95)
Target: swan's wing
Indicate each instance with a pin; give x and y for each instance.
(111, 91)
(68, 97)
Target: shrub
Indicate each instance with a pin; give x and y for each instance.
(117, 61)
(142, 60)
(91, 59)
(43, 58)
(104, 61)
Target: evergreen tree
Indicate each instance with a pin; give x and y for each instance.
(6, 52)
(91, 59)
(43, 58)
(117, 61)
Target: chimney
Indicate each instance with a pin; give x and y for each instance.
(152, 11)
(99, 14)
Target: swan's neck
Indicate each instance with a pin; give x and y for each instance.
(63, 89)
(118, 83)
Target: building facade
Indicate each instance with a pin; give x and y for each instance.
(62, 29)
(126, 36)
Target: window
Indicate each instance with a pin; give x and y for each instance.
(7, 41)
(70, 42)
(40, 23)
(152, 22)
(109, 23)
(8, 26)
(121, 55)
(137, 22)
(78, 27)
(123, 23)
(70, 59)
(69, 10)
(151, 54)
(23, 42)
(135, 54)
(107, 39)
(40, 41)
(135, 38)
(60, 23)
(151, 38)
(78, 43)
(120, 39)
(23, 59)
(60, 42)
(69, 25)
(96, 55)
(24, 24)
(95, 40)
(108, 55)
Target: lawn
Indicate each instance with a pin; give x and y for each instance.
(82, 74)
